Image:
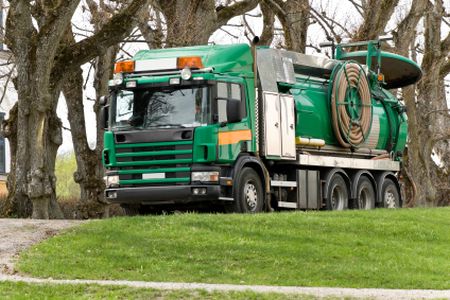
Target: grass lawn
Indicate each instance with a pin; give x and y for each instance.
(12, 290)
(405, 248)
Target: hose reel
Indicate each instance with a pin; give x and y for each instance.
(351, 105)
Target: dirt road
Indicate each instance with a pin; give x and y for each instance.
(18, 234)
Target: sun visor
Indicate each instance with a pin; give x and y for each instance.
(398, 70)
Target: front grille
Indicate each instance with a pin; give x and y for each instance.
(147, 164)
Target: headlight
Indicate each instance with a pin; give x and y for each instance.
(112, 180)
(205, 176)
(186, 73)
(118, 79)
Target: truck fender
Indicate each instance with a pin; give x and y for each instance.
(256, 164)
(354, 182)
(380, 179)
(326, 175)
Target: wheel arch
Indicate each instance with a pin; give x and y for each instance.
(256, 164)
(380, 180)
(355, 179)
(328, 174)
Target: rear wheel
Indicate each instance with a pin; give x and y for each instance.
(248, 195)
(365, 196)
(390, 194)
(337, 193)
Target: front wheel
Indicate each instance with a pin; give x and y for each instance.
(248, 193)
(390, 194)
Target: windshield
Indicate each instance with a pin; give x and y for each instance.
(161, 107)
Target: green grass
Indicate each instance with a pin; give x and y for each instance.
(66, 165)
(13, 290)
(406, 248)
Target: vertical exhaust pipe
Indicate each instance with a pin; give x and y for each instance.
(255, 41)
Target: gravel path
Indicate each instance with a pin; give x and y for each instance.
(18, 234)
(318, 292)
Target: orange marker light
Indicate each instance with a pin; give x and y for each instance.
(126, 66)
(380, 77)
(192, 62)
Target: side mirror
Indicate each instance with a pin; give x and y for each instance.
(234, 113)
(103, 116)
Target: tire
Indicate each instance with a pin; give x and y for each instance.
(389, 194)
(365, 194)
(248, 194)
(337, 193)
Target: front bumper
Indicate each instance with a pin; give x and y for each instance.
(160, 195)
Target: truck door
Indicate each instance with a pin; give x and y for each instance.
(279, 126)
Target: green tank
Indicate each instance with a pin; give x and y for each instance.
(344, 102)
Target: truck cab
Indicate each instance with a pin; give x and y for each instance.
(176, 124)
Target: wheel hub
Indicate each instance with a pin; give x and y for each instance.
(251, 196)
(337, 197)
(390, 199)
(362, 199)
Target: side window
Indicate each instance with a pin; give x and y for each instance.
(222, 90)
(222, 110)
(226, 91)
(235, 91)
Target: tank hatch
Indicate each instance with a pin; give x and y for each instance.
(398, 70)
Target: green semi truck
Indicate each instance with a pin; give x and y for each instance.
(255, 129)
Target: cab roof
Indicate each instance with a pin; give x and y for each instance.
(222, 58)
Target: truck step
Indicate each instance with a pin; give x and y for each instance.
(283, 183)
(285, 204)
(226, 198)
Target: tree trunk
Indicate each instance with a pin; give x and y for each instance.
(17, 204)
(193, 22)
(89, 173)
(428, 119)
(33, 150)
(295, 23)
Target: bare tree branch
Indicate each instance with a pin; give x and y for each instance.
(111, 33)
(377, 14)
(358, 7)
(445, 69)
(5, 86)
(238, 8)
(266, 37)
(405, 32)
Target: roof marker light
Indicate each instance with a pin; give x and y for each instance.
(192, 62)
(126, 66)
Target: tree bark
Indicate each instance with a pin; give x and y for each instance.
(89, 173)
(42, 63)
(428, 124)
(193, 22)
(294, 18)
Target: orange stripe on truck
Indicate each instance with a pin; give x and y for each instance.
(235, 136)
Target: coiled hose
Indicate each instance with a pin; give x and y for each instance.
(351, 105)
